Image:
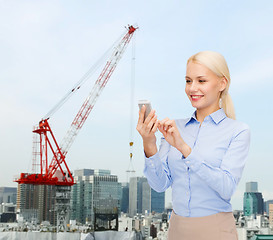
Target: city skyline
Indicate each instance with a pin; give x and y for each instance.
(249, 186)
(46, 47)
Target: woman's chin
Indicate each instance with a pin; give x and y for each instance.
(196, 105)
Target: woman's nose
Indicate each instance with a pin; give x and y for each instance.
(194, 87)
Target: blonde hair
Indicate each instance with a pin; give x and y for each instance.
(217, 64)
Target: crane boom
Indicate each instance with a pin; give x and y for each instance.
(49, 174)
(90, 101)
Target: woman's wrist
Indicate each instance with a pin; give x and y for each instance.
(185, 149)
(150, 149)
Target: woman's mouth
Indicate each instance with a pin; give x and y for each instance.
(196, 97)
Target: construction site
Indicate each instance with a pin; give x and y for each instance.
(44, 195)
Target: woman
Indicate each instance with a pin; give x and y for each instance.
(201, 157)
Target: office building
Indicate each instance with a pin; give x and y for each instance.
(251, 187)
(143, 199)
(266, 206)
(95, 191)
(270, 208)
(139, 196)
(253, 200)
(157, 201)
(83, 172)
(125, 198)
(8, 195)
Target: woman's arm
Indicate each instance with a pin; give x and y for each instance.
(157, 169)
(170, 132)
(225, 178)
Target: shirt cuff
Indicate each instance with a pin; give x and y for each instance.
(193, 161)
(153, 161)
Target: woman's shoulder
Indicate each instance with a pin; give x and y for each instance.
(237, 123)
(236, 127)
(232, 125)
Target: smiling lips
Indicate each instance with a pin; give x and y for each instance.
(196, 97)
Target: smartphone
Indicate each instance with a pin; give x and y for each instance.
(148, 106)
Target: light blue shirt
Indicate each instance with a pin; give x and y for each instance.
(203, 183)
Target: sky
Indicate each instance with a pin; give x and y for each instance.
(47, 46)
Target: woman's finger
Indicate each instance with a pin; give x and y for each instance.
(164, 133)
(141, 114)
(171, 130)
(170, 122)
(160, 127)
(154, 128)
(151, 123)
(149, 117)
(164, 127)
(162, 122)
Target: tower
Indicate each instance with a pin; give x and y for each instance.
(253, 200)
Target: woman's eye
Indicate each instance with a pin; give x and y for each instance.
(188, 81)
(202, 81)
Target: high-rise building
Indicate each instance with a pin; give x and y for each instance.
(8, 195)
(37, 202)
(84, 172)
(270, 208)
(251, 187)
(94, 191)
(139, 196)
(266, 206)
(157, 201)
(144, 199)
(253, 200)
(125, 197)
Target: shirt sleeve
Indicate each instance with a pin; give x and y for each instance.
(157, 170)
(225, 178)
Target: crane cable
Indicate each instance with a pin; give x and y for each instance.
(82, 80)
(132, 107)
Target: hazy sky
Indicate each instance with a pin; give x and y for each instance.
(46, 47)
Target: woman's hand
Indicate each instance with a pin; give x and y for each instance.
(147, 131)
(170, 132)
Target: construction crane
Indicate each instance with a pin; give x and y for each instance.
(57, 172)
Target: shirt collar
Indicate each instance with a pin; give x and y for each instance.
(216, 116)
(192, 118)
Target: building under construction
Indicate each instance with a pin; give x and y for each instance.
(36, 203)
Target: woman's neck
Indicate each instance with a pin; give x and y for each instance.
(202, 113)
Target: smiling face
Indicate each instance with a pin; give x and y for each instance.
(203, 87)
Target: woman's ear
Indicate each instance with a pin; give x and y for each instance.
(223, 83)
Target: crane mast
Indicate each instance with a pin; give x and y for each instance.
(57, 172)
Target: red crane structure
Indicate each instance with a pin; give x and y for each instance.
(57, 172)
